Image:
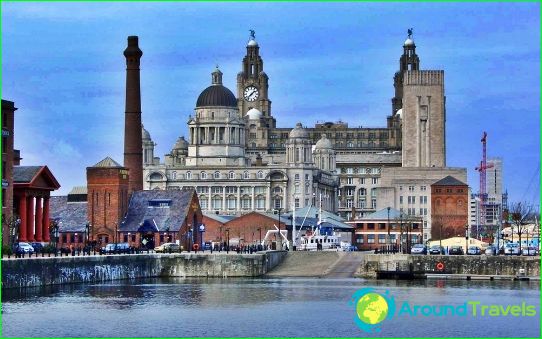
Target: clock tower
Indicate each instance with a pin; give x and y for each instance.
(252, 84)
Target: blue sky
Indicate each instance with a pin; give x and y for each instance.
(63, 66)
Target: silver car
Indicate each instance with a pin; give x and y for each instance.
(512, 249)
(418, 249)
(529, 251)
(491, 250)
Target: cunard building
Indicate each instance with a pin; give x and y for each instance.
(239, 161)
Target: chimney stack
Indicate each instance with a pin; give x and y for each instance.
(133, 147)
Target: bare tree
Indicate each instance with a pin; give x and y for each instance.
(520, 213)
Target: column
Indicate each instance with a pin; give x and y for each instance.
(268, 199)
(253, 207)
(238, 198)
(45, 232)
(30, 218)
(209, 200)
(224, 207)
(22, 216)
(39, 219)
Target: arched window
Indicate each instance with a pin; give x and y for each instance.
(217, 175)
(231, 202)
(362, 192)
(260, 175)
(277, 190)
(156, 176)
(203, 175)
(231, 175)
(189, 175)
(246, 202)
(246, 175)
(216, 203)
(260, 202)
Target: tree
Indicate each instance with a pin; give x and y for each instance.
(520, 213)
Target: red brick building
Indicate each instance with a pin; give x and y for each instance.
(449, 208)
(107, 196)
(8, 158)
(372, 230)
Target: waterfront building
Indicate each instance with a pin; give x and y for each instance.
(449, 198)
(387, 229)
(238, 161)
(26, 190)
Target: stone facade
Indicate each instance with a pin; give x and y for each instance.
(351, 167)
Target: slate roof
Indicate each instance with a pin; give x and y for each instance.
(141, 217)
(71, 217)
(383, 215)
(218, 217)
(107, 162)
(25, 173)
(79, 190)
(449, 181)
(313, 222)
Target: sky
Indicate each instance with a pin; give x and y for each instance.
(62, 65)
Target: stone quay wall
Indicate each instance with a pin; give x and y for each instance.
(19, 273)
(460, 264)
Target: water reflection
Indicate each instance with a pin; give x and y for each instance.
(249, 307)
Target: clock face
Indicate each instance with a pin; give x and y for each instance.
(251, 93)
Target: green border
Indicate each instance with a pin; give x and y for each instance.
(304, 1)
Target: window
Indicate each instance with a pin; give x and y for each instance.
(400, 199)
(359, 239)
(411, 188)
(381, 226)
(203, 203)
(350, 192)
(349, 181)
(245, 203)
(231, 175)
(296, 202)
(373, 192)
(381, 238)
(362, 181)
(370, 238)
(174, 175)
(400, 188)
(202, 189)
(216, 203)
(349, 203)
(297, 188)
(260, 203)
(260, 190)
(448, 190)
(297, 177)
(423, 188)
(189, 175)
(277, 190)
(231, 203)
(231, 189)
(203, 175)
(373, 203)
(216, 175)
(260, 175)
(246, 175)
(349, 170)
(374, 181)
(216, 190)
(278, 202)
(362, 192)
(361, 203)
(307, 177)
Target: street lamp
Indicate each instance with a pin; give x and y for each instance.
(227, 240)
(280, 236)
(87, 229)
(201, 230)
(466, 237)
(389, 236)
(189, 233)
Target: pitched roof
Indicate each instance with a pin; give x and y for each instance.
(71, 217)
(142, 215)
(25, 173)
(313, 222)
(312, 211)
(449, 181)
(107, 162)
(218, 217)
(79, 190)
(383, 215)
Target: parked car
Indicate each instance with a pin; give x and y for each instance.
(491, 250)
(418, 249)
(167, 247)
(530, 250)
(474, 250)
(436, 249)
(122, 247)
(37, 246)
(456, 250)
(207, 246)
(24, 247)
(512, 249)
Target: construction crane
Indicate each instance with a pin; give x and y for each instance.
(482, 194)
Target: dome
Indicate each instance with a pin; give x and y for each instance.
(216, 95)
(180, 144)
(298, 132)
(324, 143)
(254, 114)
(409, 42)
(399, 113)
(252, 43)
(145, 135)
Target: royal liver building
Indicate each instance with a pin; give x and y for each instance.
(239, 161)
